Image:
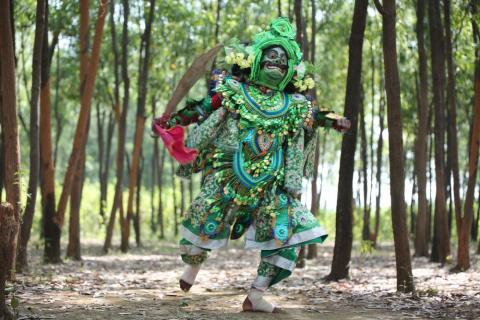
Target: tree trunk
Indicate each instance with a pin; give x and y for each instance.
(140, 119)
(8, 234)
(381, 112)
(51, 231)
(344, 216)
(395, 140)
(474, 232)
(26, 226)
(174, 197)
(438, 68)
(73, 247)
(315, 204)
(421, 239)
(364, 174)
(124, 225)
(463, 254)
(154, 173)
(161, 168)
(412, 203)
(59, 119)
(136, 218)
(104, 153)
(88, 85)
(121, 116)
(452, 114)
(9, 124)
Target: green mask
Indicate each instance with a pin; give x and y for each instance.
(273, 67)
(280, 34)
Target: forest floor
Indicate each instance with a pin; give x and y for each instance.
(143, 285)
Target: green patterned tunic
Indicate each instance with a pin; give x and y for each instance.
(254, 151)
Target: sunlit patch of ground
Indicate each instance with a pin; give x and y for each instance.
(143, 285)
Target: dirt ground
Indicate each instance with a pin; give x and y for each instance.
(144, 285)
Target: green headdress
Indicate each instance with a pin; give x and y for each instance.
(280, 33)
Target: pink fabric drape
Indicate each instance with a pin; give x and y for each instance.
(173, 139)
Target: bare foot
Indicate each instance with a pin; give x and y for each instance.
(248, 307)
(185, 286)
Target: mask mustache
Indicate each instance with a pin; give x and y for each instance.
(273, 64)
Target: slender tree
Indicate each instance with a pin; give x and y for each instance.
(463, 254)
(104, 151)
(314, 206)
(396, 156)
(161, 168)
(381, 112)
(451, 101)
(441, 246)
(73, 247)
(9, 211)
(364, 171)
(421, 243)
(140, 118)
(126, 100)
(27, 219)
(51, 231)
(344, 216)
(121, 116)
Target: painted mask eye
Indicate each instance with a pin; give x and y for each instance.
(272, 54)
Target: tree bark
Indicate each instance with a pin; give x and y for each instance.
(138, 196)
(26, 226)
(121, 116)
(154, 173)
(396, 156)
(364, 170)
(421, 240)
(381, 112)
(9, 124)
(463, 253)
(344, 216)
(438, 67)
(301, 27)
(452, 115)
(161, 169)
(140, 119)
(174, 197)
(315, 204)
(124, 226)
(104, 153)
(73, 247)
(51, 230)
(88, 85)
(8, 234)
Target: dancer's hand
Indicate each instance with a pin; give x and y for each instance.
(343, 124)
(161, 122)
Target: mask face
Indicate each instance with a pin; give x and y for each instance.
(274, 65)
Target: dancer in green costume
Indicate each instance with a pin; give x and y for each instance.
(255, 137)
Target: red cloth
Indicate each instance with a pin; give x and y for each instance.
(173, 139)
